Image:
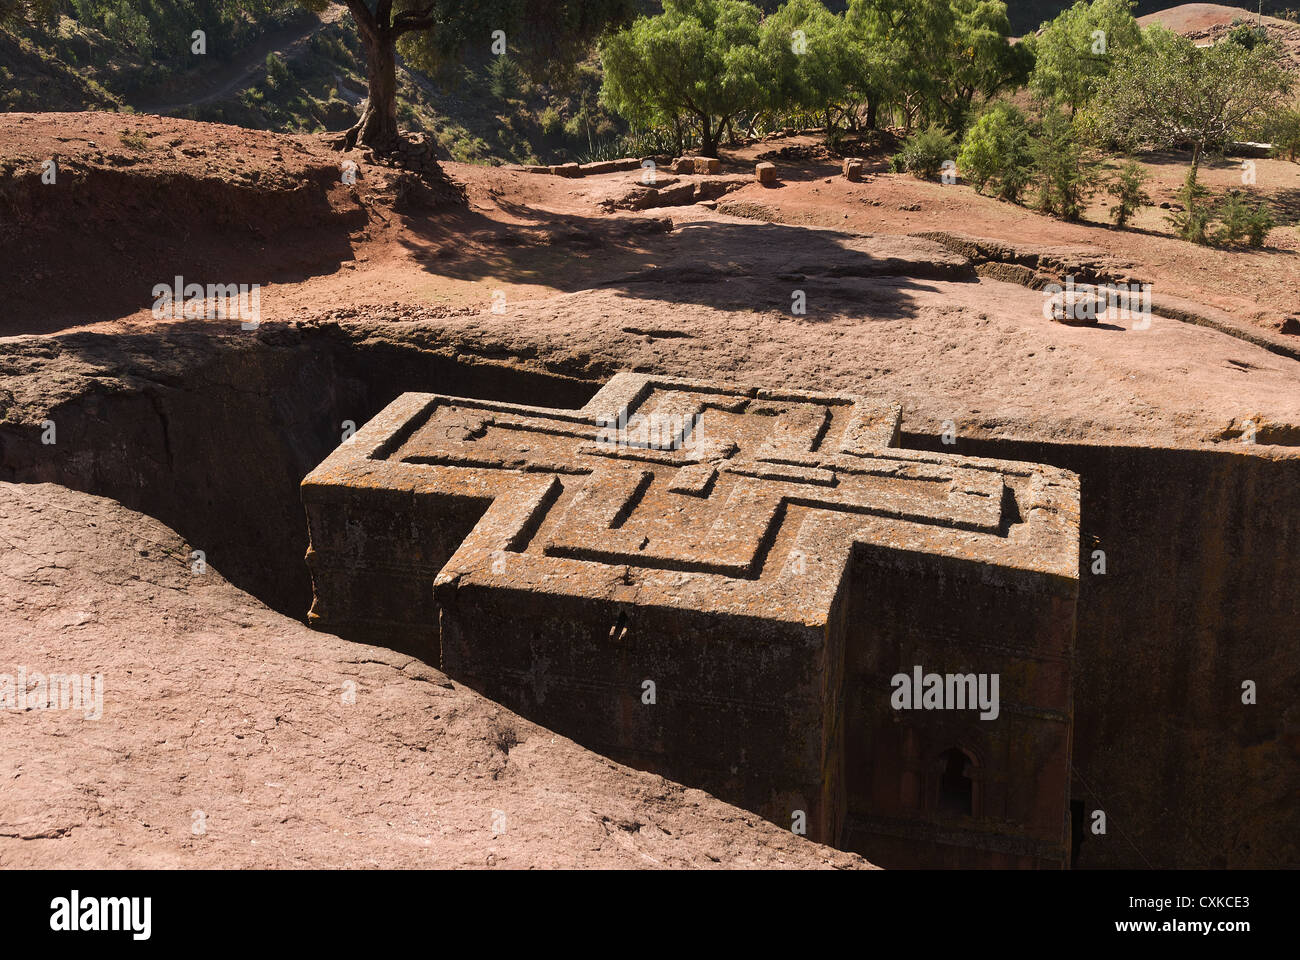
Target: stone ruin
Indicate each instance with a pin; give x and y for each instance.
(731, 586)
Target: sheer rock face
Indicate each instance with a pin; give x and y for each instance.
(720, 583)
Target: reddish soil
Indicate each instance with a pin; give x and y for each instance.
(684, 289)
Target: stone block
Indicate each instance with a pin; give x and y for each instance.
(765, 172)
(852, 168)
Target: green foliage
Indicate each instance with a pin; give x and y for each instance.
(551, 122)
(697, 62)
(1129, 190)
(1065, 176)
(1075, 52)
(997, 150)
(277, 71)
(1282, 129)
(1247, 36)
(505, 79)
(1239, 220)
(805, 57)
(1171, 92)
(1258, 224)
(545, 40)
(924, 153)
(933, 59)
(1192, 222)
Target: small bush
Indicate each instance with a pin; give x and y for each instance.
(550, 121)
(997, 150)
(1128, 188)
(1234, 215)
(1284, 132)
(1246, 35)
(1065, 177)
(277, 71)
(924, 153)
(1193, 221)
(1260, 222)
(505, 79)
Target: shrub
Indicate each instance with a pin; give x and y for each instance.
(1247, 36)
(1233, 214)
(550, 121)
(1128, 190)
(505, 78)
(1260, 223)
(1284, 131)
(1193, 221)
(997, 150)
(1065, 177)
(924, 153)
(277, 71)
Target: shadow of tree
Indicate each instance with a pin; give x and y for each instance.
(729, 265)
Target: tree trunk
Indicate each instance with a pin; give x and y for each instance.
(708, 140)
(873, 106)
(377, 127)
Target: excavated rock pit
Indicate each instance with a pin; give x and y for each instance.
(212, 435)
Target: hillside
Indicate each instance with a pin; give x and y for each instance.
(1029, 14)
(295, 72)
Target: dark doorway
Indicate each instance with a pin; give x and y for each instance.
(956, 791)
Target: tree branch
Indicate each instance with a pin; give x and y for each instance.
(366, 22)
(410, 20)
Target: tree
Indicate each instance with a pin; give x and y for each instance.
(934, 57)
(697, 61)
(539, 35)
(805, 58)
(1076, 51)
(1173, 93)
(982, 60)
(876, 59)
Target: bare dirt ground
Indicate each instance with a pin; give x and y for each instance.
(536, 268)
